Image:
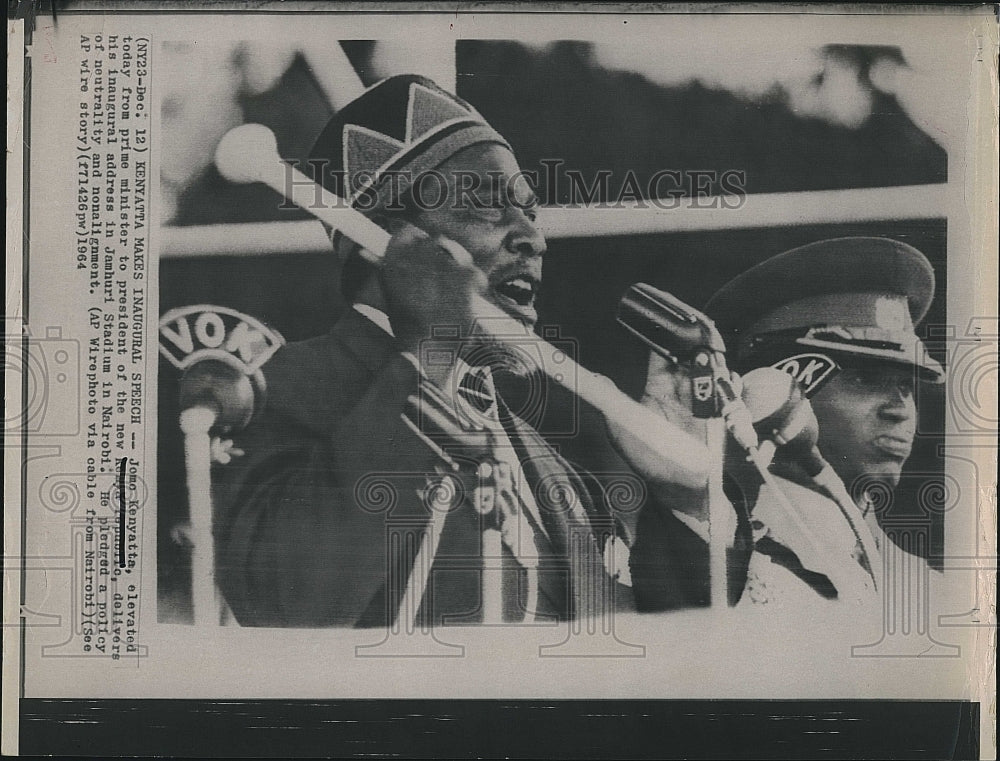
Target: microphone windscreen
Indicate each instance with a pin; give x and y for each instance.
(221, 387)
(781, 412)
(221, 352)
(766, 391)
(666, 324)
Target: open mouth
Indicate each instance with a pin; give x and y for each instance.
(517, 294)
(519, 289)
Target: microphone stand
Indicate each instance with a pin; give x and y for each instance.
(491, 577)
(720, 523)
(491, 582)
(195, 423)
(718, 518)
(420, 575)
(683, 335)
(214, 395)
(739, 423)
(220, 390)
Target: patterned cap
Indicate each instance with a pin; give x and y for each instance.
(833, 302)
(378, 144)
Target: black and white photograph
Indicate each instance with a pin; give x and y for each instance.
(550, 354)
(341, 373)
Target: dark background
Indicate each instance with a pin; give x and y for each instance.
(557, 103)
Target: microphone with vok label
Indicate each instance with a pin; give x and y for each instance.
(770, 406)
(221, 353)
(783, 418)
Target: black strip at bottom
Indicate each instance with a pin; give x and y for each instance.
(584, 729)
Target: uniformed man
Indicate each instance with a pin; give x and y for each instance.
(839, 316)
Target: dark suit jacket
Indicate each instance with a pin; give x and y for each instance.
(312, 524)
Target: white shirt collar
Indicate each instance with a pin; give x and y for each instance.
(377, 316)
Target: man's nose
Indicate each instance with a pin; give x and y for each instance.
(525, 239)
(898, 403)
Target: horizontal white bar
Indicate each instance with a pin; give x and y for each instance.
(244, 239)
(711, 213)
(751, 211)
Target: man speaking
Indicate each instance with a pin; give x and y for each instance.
(308, 529)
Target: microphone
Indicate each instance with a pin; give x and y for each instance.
(785, 418)
(667, 325)
(221, 352)
(219, 387)
(782, 415)
(682, 334)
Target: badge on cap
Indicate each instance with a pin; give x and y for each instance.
(812, 371)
